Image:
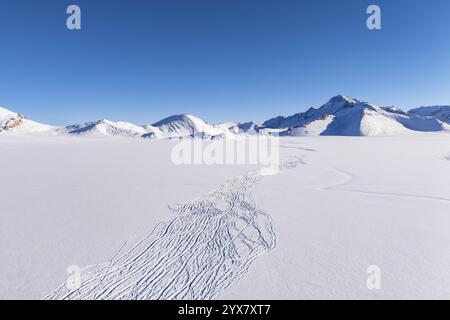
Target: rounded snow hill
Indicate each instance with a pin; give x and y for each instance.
(104, 128)
(13, 123)
(186, 125)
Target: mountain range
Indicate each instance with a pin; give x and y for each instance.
(340, 116)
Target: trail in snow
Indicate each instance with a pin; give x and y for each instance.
(207, 247)
(348, 177)
(295, 146)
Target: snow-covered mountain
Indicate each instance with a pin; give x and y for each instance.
(250, 127)
(439, 112)
(107, 128)
(344, 116)
(340, 116)
(18, 124)
(188, 126)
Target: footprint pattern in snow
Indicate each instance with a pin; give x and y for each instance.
(207, 247)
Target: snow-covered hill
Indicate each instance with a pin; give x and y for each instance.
(187, 126)
(250, 127)
(344, 116)
(340, 116)
(439, 112)
(16, 123)
(107, 128)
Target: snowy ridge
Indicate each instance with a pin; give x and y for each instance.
(250, 127)
(16, 123)
(9, 119)
(439, 112)
(344, 116)
(340, 116)
(107, 128)
(186, 126)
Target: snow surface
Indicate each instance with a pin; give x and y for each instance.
(338, 205)
(357, 202)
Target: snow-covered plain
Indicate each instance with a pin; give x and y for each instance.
(340, 205)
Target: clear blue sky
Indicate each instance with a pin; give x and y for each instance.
(143, 60)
